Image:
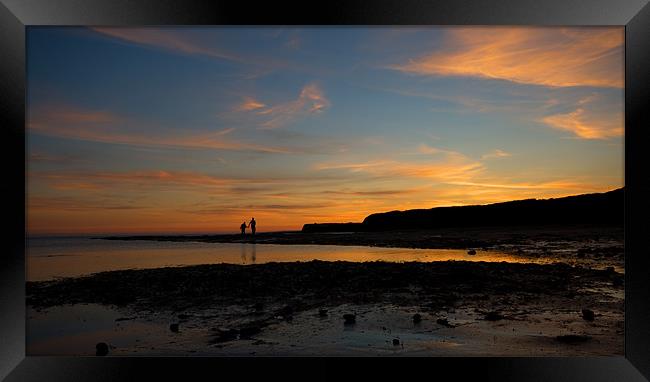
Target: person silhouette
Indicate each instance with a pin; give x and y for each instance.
(252, 225)
(243, 228)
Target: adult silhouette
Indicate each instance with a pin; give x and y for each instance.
(252, 225)
(243, 228)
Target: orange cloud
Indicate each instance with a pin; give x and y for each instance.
(354, 167)
(452, 166)
(68, 186)
(529, 55)
(100, 180)
(551, 185)
(426, 149)
(249, 104)
(587, 125)
(74, 204)
(129, 181)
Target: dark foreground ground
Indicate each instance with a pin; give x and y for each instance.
(464, 308)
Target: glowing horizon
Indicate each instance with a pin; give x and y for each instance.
(194, 130)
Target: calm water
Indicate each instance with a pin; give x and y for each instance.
(50, 258)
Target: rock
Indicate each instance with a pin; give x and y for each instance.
(493, 316)
(285, 313)
(225, 335)
(444, 322)
(322, 312)
(174, 327)
(350, 318)
(573, 338)
(247, 332)
(101, 349)
(417, 318)
(396, 341)
(471, 252)
(258, 306)
(588, 315)
(120, 299)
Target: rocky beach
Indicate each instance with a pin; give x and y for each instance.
(368, 308)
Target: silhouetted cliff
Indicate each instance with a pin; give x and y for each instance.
(599, 208)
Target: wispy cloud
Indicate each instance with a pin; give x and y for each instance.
(106, 127)
(426, 149)
(354, 167)
(139, 177)
(180, 180)
(452, 166)
(294, 42)
(248, 104)
(167, 39)
(129, 182)
(483, 103)
(584, 125)
(528, 55)
(187, 42)
(371, 193)
(310, 101)
(494, 154)
(549, 185)
(588, 120)
(65, 159)
(60, 204)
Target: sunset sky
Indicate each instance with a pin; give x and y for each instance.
(198, 129)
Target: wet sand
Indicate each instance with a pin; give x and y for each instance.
(465, 308)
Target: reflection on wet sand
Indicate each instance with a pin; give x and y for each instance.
(244, 253)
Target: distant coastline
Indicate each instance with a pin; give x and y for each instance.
(596, 208)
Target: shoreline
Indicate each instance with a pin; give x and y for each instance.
(447, 238)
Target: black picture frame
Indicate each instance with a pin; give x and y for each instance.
(15, 15)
